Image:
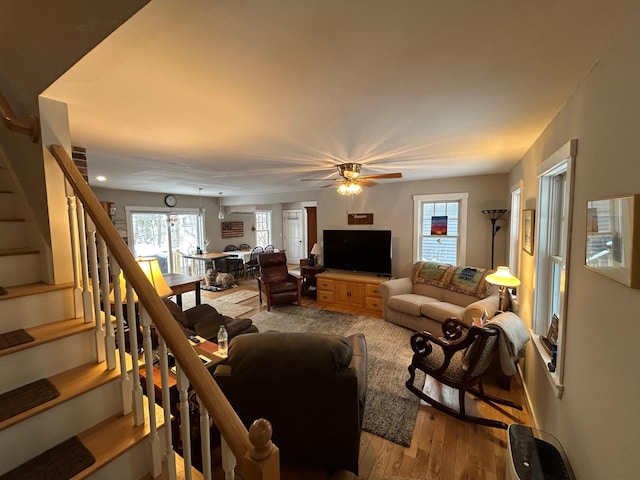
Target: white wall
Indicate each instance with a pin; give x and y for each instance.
(596, 420)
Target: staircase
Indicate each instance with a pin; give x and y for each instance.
(89, 404)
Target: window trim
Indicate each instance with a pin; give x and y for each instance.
(463, 198)
(270, 213)
(563, 160)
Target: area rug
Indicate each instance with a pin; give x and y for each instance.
(232, 310)
(237, 297)
(390, 409)
(14, 338)
(223, 306)
(26, 397)
(58, 463)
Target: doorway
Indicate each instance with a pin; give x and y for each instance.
(293, 234)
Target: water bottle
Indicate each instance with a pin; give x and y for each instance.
(223, 341)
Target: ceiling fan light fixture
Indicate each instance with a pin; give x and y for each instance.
(349, 188)
(349, 170)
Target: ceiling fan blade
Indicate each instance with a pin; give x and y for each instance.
(384, 175)
(365, 182)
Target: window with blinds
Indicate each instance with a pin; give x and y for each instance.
(263, 228)
(439, 237)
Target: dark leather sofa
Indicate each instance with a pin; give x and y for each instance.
(311, 387)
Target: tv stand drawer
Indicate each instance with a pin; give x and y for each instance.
(350, 292)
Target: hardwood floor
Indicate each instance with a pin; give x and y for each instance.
(442, 447)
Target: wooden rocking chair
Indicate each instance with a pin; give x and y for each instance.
(459, 361)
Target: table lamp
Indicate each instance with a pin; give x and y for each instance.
(315, 251)
(503, 278)
(151, 269)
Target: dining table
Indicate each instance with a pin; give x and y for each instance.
(198, 263)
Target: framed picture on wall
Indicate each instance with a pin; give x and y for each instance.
(613, 238)
(528, 230)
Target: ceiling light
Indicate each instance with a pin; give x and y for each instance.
(349, 188)
(100, 178)
(220, 212)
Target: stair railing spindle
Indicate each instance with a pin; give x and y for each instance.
(166, 402)
(75, 255)
(125, 380)
(185, 424)
(205, 440)
(136, 392)
(95, 288)
(154, 438)
(109, 339)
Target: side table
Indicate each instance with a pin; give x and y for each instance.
(309, 279)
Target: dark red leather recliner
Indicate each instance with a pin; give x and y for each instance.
(275, 283)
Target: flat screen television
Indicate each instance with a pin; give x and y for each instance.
(358, 250)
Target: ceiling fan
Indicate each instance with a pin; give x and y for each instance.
(351, 181)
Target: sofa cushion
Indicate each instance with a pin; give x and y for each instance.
(410, 303)
(470, 281)
(442, 311)
(432, 273)
(288, 354)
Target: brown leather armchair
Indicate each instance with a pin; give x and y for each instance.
(275, 282)
(311, 387)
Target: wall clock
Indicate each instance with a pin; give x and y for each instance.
(170, 200)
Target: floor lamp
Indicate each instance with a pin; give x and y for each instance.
(494, 215)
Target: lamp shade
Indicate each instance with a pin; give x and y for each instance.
(503, 278)
(151, 269)
(316, 250)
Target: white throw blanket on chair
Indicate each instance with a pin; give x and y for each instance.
(512, 340)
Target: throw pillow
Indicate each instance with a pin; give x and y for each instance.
(432, 273)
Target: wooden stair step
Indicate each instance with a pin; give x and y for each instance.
(32, 289)
(70, 384)
(7, 252)
(50, 332)
(114, 436)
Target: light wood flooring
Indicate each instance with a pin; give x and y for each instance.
(442, 447)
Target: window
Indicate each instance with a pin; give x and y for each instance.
(163, 233)
(263, 228)
(440, 224)
(555, 195)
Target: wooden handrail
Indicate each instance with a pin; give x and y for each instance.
(29, 127)
(225, 418)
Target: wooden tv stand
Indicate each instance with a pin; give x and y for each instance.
(357, 293)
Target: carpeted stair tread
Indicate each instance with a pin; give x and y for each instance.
(50, 332)
(26, 397)
(58, 463)
(14, 338)
(70, 384)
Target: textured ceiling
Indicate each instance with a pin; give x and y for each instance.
(252, 96)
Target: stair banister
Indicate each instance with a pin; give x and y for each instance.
(258, 466)
(29, 127)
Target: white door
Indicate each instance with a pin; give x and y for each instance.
(293, 235)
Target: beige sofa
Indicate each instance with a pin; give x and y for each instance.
(436, 292)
